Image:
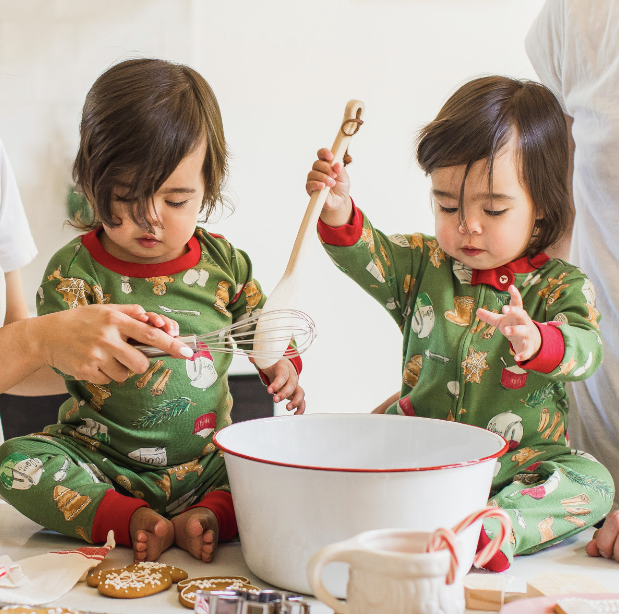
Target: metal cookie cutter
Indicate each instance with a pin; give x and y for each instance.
(241, 601)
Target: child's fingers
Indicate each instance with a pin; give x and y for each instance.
(286, 391)
(279, 380)
(325, 154)
(494, 319)
(326, 169)
(297, 401)
(518, 330)
(320, 177)
(515, 298)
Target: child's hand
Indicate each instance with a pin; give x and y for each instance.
(158, 321)
(285, 385)
(338, 206)
(516, 325)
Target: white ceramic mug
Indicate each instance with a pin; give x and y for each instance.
(392, 571)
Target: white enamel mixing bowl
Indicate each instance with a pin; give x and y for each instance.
(300, 483)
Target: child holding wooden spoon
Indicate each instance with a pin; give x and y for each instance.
(492, 326)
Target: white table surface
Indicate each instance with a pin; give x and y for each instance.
(21, 538)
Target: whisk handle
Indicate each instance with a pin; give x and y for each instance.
(153, 352)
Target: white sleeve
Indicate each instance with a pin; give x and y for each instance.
(544, 45)
(17, 246)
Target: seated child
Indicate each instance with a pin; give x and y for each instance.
(136, 454)
(492, 327)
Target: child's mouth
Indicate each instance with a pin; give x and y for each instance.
(471, 251)
(147, 241)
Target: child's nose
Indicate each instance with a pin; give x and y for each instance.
(153, 219)
(470, 226)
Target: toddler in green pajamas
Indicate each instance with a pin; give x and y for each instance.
(135, 455)
(492, 327)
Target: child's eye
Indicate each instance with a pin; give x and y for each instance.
(495, 212)
(173, 204)
(447, 209)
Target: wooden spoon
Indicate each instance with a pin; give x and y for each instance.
(285, 293)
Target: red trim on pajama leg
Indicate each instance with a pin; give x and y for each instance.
(220, 503)
(114, 513)
(499, 561)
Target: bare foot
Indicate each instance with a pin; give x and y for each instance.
(196, 531)
(151, 534)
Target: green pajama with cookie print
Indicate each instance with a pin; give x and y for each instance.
(149, 437)
(71, 480)
(456, 367)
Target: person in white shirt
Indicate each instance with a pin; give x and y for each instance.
(574, 48)
(17, 246)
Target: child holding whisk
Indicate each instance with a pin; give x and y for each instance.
(136, 454)
(492, 326)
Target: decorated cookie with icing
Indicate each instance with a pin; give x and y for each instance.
(188, 588)
(177, 573)
(125, 584)
(95, 577)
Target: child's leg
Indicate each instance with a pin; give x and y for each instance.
(199, 526)
(62, 487)
(548, 501)
(59, 486)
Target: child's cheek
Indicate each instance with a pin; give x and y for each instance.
(444, 238)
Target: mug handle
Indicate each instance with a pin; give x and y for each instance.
(315, 567)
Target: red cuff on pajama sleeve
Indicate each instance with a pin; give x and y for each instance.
(551, 350)
(220, 503)
(296, 361)
(343, 236)
(114, 513)
(499, 561)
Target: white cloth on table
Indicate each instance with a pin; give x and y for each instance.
(47, 577)
(574, 48)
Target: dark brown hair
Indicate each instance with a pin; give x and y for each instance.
(140, 119)
(480, 118)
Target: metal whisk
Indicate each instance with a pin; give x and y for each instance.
(290, 329)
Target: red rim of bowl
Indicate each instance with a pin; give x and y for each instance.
(475, 461)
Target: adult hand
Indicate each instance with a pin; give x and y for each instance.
(90, 343)
(605, 541)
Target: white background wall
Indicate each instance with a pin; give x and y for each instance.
(283, 71)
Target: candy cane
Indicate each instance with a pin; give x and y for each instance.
(493, 547)
(446, 538)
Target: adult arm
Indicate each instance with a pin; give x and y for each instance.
(16, 308)
(87, 343)
(43, 381)
(561, 249)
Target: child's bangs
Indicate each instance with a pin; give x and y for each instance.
(166, 139)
